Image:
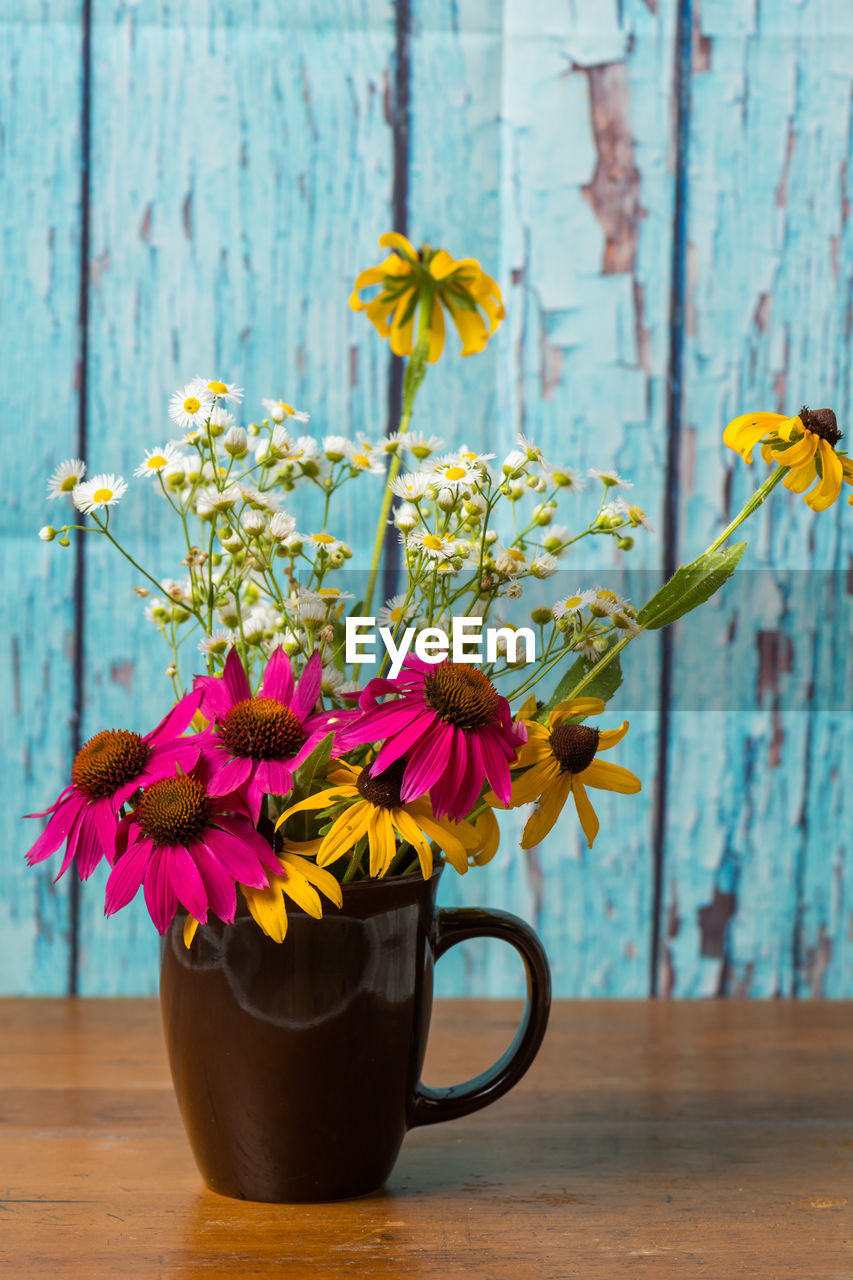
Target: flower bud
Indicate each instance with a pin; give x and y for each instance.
(254, 523)
(625, 544)
(446, 500)
(514, 463)
(177, 614)
(406, 517)
(293, 544)
(516, 490)
(336, 558)
(47, 533)
(541, 615)
(64, 541)
(236, 442)
(491, 537)
(543, 513)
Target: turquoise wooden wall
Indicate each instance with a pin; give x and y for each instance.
(663, 189)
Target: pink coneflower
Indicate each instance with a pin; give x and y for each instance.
(256, 743)
(104, 775)
(183, 846)
(452, 725)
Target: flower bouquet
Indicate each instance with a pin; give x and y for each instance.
(288, 818)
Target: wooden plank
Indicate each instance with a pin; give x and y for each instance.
(241, 174)
(39, 264)
(540, 144)
(673, 1139)
(757, 808)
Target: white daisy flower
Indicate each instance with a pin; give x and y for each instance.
(221, 499)
(190, 406)
(336, 684)
(65, 477)
(254, 522)
(322, 542)
(392, 611)
(280, 411)
(336, 448)
(221, 390)
(157, 460)
(304, 449)
(509, 560)
(365, 462)
(635, 516)
(430, 545)
(412, 486)
(406, 517)
(235, 442)
(543, 565)
(190, 438)
(282, 526)
(221, 420)
(391, 443)
(219, 641)
(256, 623)
(423, 446)
(514, 463)
(566, 478)
(610, 479)
(157, 611)
(589, 648)
(607, 604)
(101, 491)
(454, 472)
(332, 595)
(558, 536)
(570, 605)
(514, 591)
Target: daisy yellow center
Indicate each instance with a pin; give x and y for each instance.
(432, 543)
(455, 473)
(609, 597)
(329, 593)
(102, 495)
(572, 602)
(361, 461)
(109, 760)
(384, 788)
(462, 695)
(192, 405)
(157, 461)
(286, 407)
(262, 729)
(174, 811)
(218, 388)
(574, 746)
(68, 483)
(323, 538)
(514, 553)
(396, 614)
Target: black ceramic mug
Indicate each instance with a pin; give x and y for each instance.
(297, 1065)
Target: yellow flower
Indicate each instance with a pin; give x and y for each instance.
(429, 277)
(805, 444)
(561, 760)
(372, 808)
(299, 880)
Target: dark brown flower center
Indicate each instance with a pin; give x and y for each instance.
(109, 760)
(574, 746)
(821, 422)
(383, 788)
(174, 810)
(462, 695)
(263, 729)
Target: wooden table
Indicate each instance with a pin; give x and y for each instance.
(707, 1139)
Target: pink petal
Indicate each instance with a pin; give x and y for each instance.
(173, 725)
(403, 741)
(219, 885)
(57, 829)
(278, 678)
(86, 842)
(159, 895)
(126, 877)
(308, 689)
(234, 677)
(216, 700)
(186, 881)
(392, 718)
(274, 778)
(180, 753)
(241, 851)
(495, 763)
(427, 761)
(230, 776)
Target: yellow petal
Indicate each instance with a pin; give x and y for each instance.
(536, 748)
(488, 835)
(268, 909)
(846, 468)
(302, 893)
(306, 848)
(436, 332)
(610, 777)
(471, 328)
(442, 265)
(799, 453)
(575, 707)
(394, 240)
(609, 737)
(373, 275)
(401, 333)
(530, 785)
(322, 800)
(409, 830)
(548, 811)
(344, 833)
(190, 926)
(744, 432)
(586, 813)
(799, 480)
(450, 845)
(380, 837)
(527, 710)
(323, 880)
(824, 494)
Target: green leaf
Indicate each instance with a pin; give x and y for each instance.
(603, 686)
(312, 766)
(690, 586)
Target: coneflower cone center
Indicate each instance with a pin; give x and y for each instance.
(174, 810)
(109, 760)
(384, 788)
(261, 728)
(574, 746)
(823, 423)
(462, 695)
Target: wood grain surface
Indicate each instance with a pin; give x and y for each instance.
(661, 1139)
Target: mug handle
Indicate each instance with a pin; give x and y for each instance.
(456, 925)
